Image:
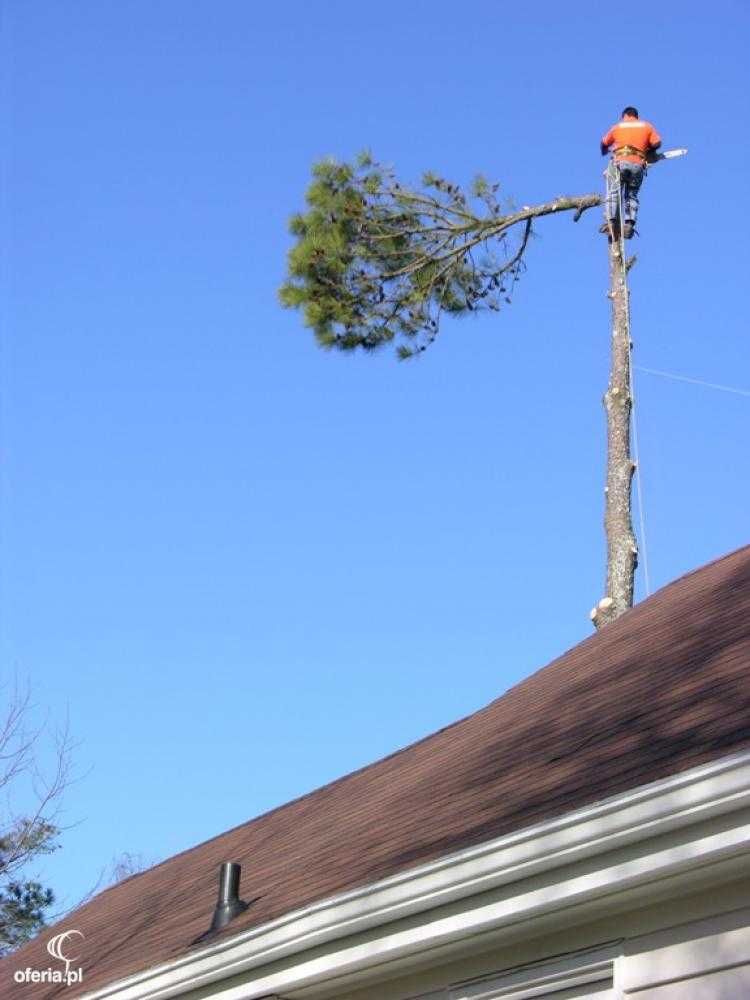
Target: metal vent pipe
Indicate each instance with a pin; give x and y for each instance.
(229, 903)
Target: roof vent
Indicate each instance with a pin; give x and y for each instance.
(229, 904)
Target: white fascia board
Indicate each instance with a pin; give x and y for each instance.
(633, 817)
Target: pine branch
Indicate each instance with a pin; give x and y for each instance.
(376, 261)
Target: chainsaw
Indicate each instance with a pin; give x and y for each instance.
(653, 155)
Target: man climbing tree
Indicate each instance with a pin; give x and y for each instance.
(634, 144)
(376, 262)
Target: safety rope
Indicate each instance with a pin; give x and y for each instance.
(631, 379)
(694, 381)
(638, 485)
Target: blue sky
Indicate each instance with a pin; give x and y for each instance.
(244, 566)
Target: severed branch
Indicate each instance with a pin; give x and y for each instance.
(376, 261)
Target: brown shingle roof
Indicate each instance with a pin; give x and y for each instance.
(665, 688)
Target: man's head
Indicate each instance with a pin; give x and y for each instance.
(630, 112)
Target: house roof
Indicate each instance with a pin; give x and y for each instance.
(663, 689)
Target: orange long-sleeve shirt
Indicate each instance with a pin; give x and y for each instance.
(635, 133)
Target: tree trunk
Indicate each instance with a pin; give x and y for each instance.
(622, 551)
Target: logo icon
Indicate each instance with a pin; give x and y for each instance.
(59, 947)
(55, 948)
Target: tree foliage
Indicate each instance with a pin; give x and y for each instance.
(31, 830)
(377, 262)
(23, 906)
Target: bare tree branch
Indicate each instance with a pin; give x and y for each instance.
(31, 829)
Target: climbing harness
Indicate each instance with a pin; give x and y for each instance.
(614, 188)
(614, 185)
(630, 151)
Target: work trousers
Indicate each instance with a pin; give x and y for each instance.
(631, 178)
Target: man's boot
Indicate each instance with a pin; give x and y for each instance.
(610, 229)
(628, 230)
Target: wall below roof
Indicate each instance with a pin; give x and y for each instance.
(692, 948)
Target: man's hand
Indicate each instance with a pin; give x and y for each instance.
(604, 148)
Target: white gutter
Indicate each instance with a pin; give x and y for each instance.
(550, 848)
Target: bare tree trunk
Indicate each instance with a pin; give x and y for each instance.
(622, 551)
